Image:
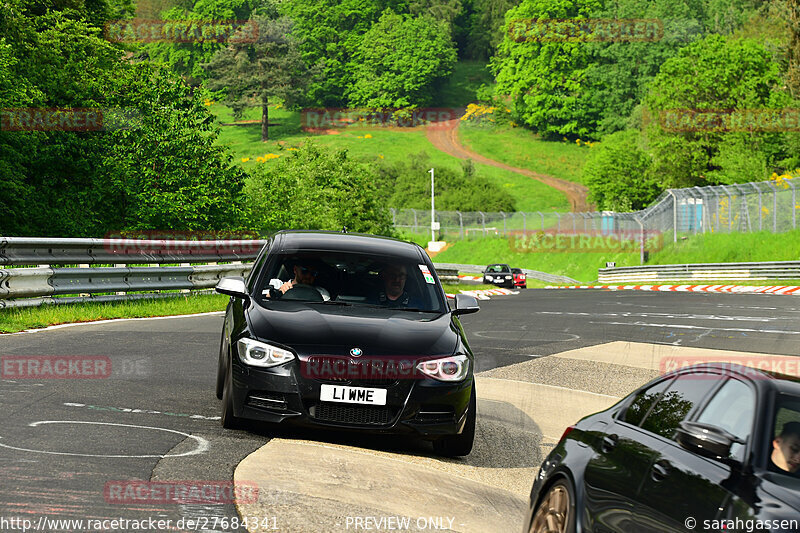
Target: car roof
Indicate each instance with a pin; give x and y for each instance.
(761, 378)
(291, 241)
(498, 265)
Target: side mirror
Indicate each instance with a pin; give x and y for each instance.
(465, 304)
(233, 287)
(707, 440)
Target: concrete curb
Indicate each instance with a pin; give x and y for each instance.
(740, 289)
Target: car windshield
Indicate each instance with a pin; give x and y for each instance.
(516, 270)
(497, 268)
(346, 278)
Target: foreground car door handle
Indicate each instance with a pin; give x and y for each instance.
(660, 471)
(609, 443)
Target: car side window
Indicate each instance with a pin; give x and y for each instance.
(677, 402)
(732, 408)
(641, 405)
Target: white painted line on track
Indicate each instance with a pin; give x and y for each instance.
(687, 326)
(202, 444)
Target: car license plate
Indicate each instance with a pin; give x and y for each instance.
(342, 394)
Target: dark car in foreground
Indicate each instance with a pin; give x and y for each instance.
(498, 274)
(520, 279)
(711, 447)
(347, 331)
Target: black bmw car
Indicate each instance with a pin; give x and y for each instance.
(712, 447)
(337, 330)
(499, 274)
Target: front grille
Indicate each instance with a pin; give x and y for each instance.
(352, 414)
(267, 400)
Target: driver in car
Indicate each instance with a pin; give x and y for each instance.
(785, 456)
(305, 273)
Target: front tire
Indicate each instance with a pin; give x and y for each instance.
(556, 510)
(461, 444)
(222, 368)
(228, 419)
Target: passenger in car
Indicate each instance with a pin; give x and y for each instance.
(394, 282)
(785, 456)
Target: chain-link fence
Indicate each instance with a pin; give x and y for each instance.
(759, 206)
(748, 207)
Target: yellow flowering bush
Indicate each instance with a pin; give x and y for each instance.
(477, 111)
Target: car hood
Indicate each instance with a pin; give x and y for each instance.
(319, 328)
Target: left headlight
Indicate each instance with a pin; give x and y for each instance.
(453, 368)
(261, 354)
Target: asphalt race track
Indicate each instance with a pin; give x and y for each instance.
(544, 357)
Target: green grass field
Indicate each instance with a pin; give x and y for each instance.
(523, 149)
(371, 143)
(12, 320)
(708, 248)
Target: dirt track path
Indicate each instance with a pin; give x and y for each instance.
(444, 136)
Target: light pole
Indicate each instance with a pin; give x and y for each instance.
(433, 211)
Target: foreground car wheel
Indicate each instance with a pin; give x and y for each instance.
(461, 444)
(556, 511)
(221, 371)
(229, 421)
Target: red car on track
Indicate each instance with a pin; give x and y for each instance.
(520, 279)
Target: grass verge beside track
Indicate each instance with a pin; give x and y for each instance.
(13, 320)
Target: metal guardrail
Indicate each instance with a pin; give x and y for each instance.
(50, 251)
(701, 271)
(478, 269)
(27, 287)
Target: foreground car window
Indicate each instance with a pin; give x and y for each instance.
(732, 408)
(345, 278)
(644, 401)
(787, 414)
(675, 404)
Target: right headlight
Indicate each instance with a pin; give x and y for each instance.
(453, 368)
(256, 353)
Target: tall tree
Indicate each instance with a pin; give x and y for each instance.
(543, 73)
(257, 73)
(723, 74)
(400, 60)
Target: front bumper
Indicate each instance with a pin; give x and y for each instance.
(422, 407)
(500, 282)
